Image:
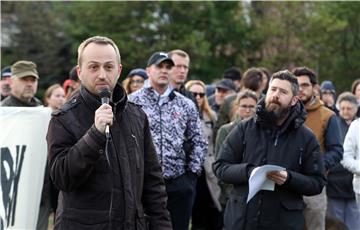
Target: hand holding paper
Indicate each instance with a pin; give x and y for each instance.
(279, 177)
(259, 179)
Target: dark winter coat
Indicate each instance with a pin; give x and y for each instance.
(339, 180)
(129, 195)
(257, 142)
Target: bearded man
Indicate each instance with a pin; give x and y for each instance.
(277, 136)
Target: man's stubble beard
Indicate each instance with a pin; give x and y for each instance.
(307, 99)
(163, 84)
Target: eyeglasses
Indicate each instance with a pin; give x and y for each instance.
(136, 81)
(195, 94)
(247, 106)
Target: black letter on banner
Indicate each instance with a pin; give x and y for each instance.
(10, 181)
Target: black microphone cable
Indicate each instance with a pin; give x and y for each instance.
(105, 99)
(108, 140)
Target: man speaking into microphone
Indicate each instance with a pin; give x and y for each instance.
(109, 178)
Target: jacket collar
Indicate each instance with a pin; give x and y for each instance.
(118, 100)
(17, 102)
(154, 96)
(315, 104)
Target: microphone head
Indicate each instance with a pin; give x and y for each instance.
(104, 93)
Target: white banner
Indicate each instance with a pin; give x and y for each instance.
(23, 158)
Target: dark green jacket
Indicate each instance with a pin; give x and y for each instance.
(222, 134)
(13, 101)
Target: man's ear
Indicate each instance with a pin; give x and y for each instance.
(78, 71)
(294, 100)
(119, 72)
(120, 69)
(148, 70)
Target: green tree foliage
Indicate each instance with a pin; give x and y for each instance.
(334, 38)
(276, 25)
(217, 35)
(36, 36)
(323, 36)
(209, 31)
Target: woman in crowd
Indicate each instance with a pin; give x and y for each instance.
(207, 209)
(339, 189)
(243, 107)
(134, 80)
(54, 97)
(355, 89)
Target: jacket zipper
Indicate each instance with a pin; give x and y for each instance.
(161, 132)
(276, 138)
(301, 153)
(136, 152)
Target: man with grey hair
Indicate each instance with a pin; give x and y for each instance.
(24, 84)
(101, 153)
(276, 136)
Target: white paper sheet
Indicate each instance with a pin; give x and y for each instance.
(258, 180)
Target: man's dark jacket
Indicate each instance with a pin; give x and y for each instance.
(129, 195)
(14, 101)
(256, 142)
(339, 180)
(188, 94)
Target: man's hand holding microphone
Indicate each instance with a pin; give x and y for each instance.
(104, 115)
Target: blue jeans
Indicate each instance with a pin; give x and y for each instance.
(345, 210)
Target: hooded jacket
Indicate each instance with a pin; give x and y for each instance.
(256, 142)
(329, 86)
(323, 122)
(97, 193)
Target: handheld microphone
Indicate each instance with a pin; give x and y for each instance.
(105, 99)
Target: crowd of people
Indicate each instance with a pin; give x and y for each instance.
(161, 151)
